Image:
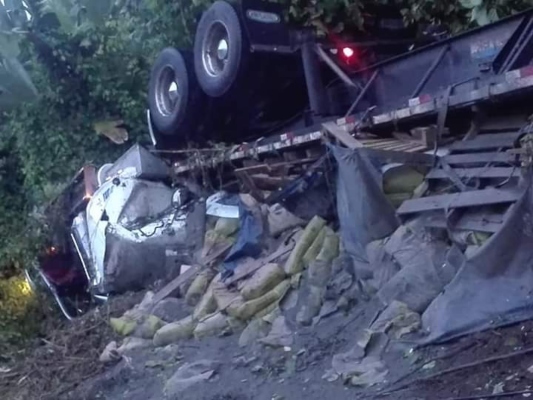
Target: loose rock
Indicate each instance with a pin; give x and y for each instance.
(312, 306)
(397, 320)
(110, 353)
(256, 329)
(190, 374)
(242, 361)
(280, 334)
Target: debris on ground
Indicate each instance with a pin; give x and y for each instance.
(69, 355)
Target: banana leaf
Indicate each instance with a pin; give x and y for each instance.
(16, 86)
(17, 13)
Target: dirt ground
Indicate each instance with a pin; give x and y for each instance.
(264, 373)
(57, 361)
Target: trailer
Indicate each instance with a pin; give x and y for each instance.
(246, 76)
(450, 83)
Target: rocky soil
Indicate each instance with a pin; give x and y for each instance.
(218, 368)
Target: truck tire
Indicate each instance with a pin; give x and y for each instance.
(220, 49)
(174, 96)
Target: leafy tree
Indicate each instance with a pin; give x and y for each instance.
(457, 14)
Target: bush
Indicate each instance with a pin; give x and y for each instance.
(20, 316)
(83, 76)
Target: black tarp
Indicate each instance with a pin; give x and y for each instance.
(364, 212)
(457, 295)
(495, 286)
(249, 238)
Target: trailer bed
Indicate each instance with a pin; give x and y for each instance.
(487, 65)
(517, 83)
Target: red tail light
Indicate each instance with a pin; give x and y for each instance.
(347, 52)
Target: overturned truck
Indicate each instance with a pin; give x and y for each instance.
(431, 153)
(455, 111)
(116, 229)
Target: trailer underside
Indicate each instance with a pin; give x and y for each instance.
(483, 69)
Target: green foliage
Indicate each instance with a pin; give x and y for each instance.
(461, 14)
(90, 64)
(338, 15)
(20, 315)
(327, 15)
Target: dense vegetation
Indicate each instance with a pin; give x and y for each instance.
(71, 70)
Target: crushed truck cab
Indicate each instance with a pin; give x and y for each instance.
(132, 231)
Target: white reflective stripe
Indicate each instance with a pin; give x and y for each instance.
(402, 113)
(422, 108)
(316, 135)
(519, 73)
(381, 118)
(512, 85)
(264, 148)
(512, 75)
(414, 102)
(299, 139)
(514, 80)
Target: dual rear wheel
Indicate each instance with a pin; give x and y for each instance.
(184, 84)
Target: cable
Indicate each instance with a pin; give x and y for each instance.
(160, 225)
